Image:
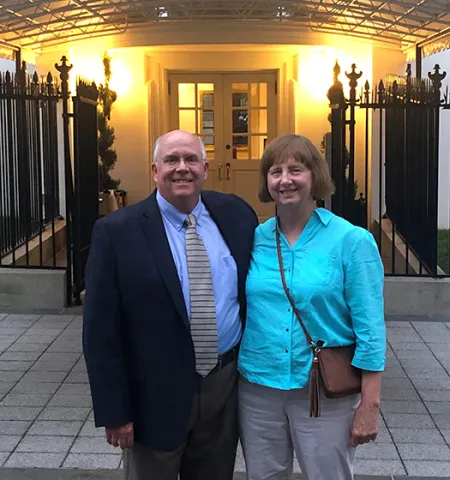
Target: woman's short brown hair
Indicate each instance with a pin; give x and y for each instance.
(286, 146)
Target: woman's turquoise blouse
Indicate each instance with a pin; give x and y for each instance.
(335, 275)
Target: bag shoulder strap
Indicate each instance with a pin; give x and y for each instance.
(286, 289)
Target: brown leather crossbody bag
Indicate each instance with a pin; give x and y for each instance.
(332, 366)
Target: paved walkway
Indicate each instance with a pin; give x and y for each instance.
(46, 418)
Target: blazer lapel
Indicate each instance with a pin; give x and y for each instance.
(153, 226)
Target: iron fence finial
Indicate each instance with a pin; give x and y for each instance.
(336, 71)
(381, 91)
(49, 83)
(437, 77)
(64, 70)
(35, 87)
(336, 92)
(353, 76)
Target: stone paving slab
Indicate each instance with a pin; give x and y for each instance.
(70, 474)
(46, 419)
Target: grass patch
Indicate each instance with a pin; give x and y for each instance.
(444, 250)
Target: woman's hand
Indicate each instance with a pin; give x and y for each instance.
(365, 423)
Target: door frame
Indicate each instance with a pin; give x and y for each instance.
(226, 171)
(159, 68)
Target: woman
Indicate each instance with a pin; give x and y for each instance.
(334, 273)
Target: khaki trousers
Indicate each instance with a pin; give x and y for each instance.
(275, 423)
(209, 450)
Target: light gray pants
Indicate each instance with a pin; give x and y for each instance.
(275, 423)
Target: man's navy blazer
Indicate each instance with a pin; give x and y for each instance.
(136, 336)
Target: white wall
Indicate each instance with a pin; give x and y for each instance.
(428, 63)
(10, 65)
(129, 113)
(6, 65)
(304, 64)
(140, 78)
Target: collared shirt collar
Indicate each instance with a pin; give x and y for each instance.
(174, 216)
(323, 214)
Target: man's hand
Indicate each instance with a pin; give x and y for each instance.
(122, 436)
(365, 423)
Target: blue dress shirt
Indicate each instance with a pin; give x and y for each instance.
(223, 267)
(335, 276)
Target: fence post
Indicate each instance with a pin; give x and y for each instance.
(23, 160)
(353, 77)
(338, 107)
(436, 79)
(85, 144)
(9, 89)
(64, 70)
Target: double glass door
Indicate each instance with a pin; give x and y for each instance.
(235, 115)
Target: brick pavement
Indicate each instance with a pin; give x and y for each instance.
(46, 416)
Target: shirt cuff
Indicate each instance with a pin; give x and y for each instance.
(374, 364)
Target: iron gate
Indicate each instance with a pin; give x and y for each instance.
(29, 189)
(86, 177)
(403, 114)
(32, 196)
(82, 183)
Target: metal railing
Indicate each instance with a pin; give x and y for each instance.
(29, 185)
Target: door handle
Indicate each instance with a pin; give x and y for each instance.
(219, 171)
(228, 166)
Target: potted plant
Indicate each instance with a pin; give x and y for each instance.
(110, 197)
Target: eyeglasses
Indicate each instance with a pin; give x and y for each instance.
(174, 160)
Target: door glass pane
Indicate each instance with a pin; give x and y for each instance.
(205, 95)
(254, 97)
(258, 121)
(262, 97)
(187, 121)
(240, 94)
(258, 94)
(209, 142)
(240, 148)
(258, 143)
(206, 122)
(249, 117)
(186, 95)
(240, 121)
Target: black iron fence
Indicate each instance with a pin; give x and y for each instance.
(47, 206)
(86, 177)
(29, 187)
(399, 187)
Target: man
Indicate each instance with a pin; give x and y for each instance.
(165, 302)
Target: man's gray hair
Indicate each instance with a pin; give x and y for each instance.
(158, 142)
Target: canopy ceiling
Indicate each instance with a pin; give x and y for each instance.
(39, 23)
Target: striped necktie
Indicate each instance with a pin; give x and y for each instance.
(203, 308)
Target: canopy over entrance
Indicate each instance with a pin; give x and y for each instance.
(39, 24)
